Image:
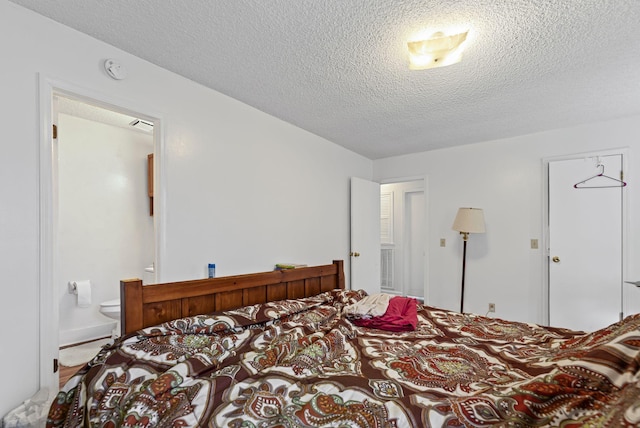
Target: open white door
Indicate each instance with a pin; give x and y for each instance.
(365, 235)
(585, 244)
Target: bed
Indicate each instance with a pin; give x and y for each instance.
(279, 351)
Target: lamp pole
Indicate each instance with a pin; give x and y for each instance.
(465, 238)
(468, 220)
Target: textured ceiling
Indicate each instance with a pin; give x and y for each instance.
(338, 68)
(94, 113)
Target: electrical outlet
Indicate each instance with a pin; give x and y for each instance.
(443, 242)
(492, 307)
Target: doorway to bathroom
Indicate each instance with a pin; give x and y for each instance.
(102, 167)
(98, 222)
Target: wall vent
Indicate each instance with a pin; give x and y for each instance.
(142, 125)
(386, 269)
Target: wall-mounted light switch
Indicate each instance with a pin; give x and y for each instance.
(443, 242)
(534, 244)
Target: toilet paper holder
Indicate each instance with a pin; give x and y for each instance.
(73, 287)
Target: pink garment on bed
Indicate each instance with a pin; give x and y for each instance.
(401, 315)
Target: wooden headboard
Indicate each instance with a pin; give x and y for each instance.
(145, 306)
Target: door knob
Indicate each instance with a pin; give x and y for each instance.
(556, 259)
(356, 254)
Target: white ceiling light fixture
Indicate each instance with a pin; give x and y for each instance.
(436, 51)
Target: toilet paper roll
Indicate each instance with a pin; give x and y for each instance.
(83, 290)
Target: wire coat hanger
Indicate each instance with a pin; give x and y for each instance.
(611, 182)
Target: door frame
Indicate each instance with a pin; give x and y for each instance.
(624, 152)
(49, 317)
(425, 189)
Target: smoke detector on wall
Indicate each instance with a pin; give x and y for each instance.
(115, 70)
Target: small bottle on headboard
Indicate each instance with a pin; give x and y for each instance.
(212, 270)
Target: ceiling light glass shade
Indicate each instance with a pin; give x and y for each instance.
(437, 51)
(469, 220)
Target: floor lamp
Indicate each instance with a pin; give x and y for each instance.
(468, 220)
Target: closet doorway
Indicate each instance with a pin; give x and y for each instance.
(402, 238)
(585, 258)
(388, 236)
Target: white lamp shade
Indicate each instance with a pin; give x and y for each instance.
(469, 220)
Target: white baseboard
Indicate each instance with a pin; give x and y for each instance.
(78, 335)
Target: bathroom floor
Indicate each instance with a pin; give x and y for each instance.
(67, 373)
(72, 358)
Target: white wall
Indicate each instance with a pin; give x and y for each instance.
(505, 178)
(101, 169)
(244, 190)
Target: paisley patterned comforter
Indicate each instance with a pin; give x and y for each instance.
(300, 363)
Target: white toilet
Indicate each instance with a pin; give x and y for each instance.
(111, 308)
